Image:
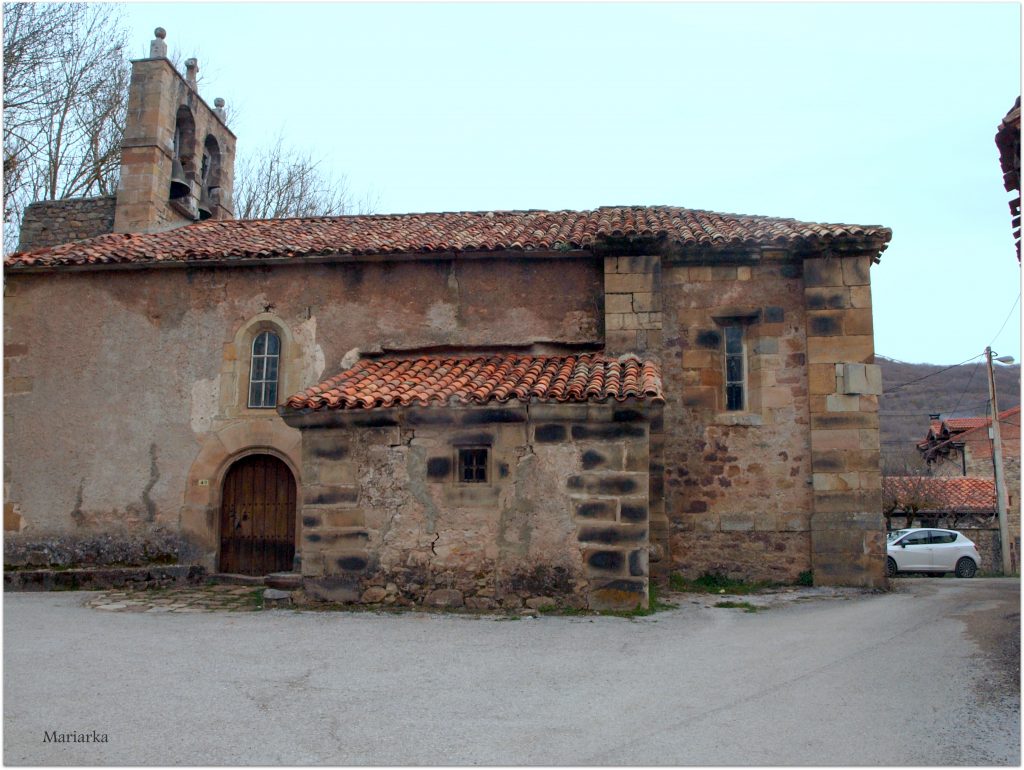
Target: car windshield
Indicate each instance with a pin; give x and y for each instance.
(896, 533)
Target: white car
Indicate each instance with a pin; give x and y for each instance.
(935, 551)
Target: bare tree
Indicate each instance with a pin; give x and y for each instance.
(66, 81)
(281, 181)
(65, 98)
(904, 461)
(29, 57)
(907, 496)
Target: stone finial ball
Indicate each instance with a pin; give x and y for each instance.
(191, 62)
(160, 32)
(218, 103)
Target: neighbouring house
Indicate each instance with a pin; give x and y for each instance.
(962, 446)
(950, 502)
(1008, 142)
(513, 405)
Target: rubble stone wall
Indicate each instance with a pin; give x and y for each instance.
(562, 520)
(49, 223)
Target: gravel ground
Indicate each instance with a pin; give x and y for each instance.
(927, 674)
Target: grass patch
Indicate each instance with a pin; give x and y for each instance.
(551, 609)
(654, 604)
(715, 583)
(805, 578)
(745, 606)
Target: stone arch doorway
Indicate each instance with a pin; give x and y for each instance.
(257, 516)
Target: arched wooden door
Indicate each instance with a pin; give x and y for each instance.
(257, 517)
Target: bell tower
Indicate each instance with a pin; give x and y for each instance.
(178, 155)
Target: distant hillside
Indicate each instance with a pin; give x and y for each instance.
(913, 391)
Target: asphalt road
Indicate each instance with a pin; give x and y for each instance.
(926, 675)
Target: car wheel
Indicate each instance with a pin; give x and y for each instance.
(890, 567)
(966, 568)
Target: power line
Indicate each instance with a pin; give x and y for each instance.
(921, 413)
(940, 371)
(966, 387)
(1005, 321)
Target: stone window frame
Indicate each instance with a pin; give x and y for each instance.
(238, 365)
(460, 466)
(267, 357)
(744, 318)
(729, 332)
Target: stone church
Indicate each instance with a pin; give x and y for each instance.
(465, 408)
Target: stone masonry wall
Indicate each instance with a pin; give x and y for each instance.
(632, 305)
(738, 490)
(49, 223)
(155, 93)
(848, 529)
(561, 521)
(151, 383)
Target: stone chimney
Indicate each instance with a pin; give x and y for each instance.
(177, 158)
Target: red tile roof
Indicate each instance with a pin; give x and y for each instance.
(219, 240)
(941, 493)
(384, 382)
(1009, 432)
(960, 430)
(957, 424)
(1008, 142)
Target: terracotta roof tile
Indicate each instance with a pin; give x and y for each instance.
(226, 240)
(974, 430)
(942, 493)
(425, 381)
(978, 440)
(957, 424)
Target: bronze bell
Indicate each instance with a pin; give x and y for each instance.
(205, 205)
(180, 188)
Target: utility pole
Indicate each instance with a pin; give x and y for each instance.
(997, 468)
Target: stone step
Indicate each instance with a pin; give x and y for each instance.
(238, 580)
(98, 578)
(284, 581)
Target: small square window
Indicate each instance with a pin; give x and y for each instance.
(473, 465)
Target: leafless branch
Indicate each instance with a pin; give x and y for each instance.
(65, 99)
(282, 181)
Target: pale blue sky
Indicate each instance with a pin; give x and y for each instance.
(862, 113)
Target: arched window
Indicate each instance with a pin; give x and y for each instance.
(263, 372)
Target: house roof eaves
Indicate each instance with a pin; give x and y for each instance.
(427, 235)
